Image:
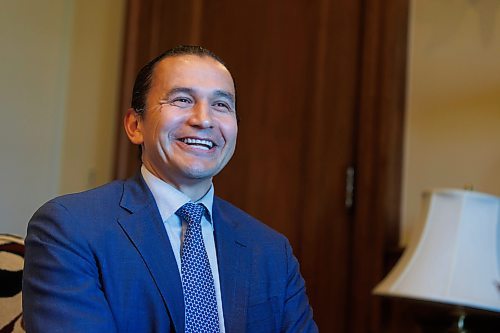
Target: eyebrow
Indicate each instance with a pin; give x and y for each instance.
(225, 94)
(217, 93)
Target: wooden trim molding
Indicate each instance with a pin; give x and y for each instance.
(379, 154)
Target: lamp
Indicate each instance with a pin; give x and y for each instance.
(453, 256)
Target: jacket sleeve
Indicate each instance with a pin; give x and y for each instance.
(61, 285)
(297, 315)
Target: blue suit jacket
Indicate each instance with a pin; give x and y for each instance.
(101, 261)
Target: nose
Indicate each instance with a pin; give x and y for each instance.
(201, 116)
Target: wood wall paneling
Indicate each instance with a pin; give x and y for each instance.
(379, 154)
(325, 221)
(319, 88)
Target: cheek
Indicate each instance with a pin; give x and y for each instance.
(162, 130)
(230, 131)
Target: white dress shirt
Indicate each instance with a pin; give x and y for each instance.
(169, 200)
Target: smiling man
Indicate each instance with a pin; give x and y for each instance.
(187, 128)
(159, 252)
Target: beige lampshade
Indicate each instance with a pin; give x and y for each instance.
(453, 255)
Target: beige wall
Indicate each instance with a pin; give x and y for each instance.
(59, 65)
(92, 98)
(453, 108)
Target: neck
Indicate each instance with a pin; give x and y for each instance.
(194, 192)
(195, 189)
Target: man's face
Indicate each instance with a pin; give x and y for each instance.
(189, 126)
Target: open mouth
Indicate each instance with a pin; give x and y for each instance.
(199, 143)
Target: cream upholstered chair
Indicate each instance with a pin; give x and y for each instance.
(11, 270)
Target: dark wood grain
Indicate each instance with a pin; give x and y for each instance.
(320, 87)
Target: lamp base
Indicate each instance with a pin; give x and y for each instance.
(417, 316)
(459, 324)
(460, 321)
(451, 323)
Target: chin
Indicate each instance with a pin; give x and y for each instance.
(197, 170)
(200, 173)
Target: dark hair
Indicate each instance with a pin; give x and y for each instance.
(143, 80)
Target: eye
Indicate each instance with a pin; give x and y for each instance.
(181, 102)
(222, 106)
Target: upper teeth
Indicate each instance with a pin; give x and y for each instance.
(198, 141)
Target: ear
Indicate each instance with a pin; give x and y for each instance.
(133, 126)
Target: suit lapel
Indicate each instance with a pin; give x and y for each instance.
(234, 260)
(147, 233)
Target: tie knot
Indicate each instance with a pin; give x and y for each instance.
(191, 212)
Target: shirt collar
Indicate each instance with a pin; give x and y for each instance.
(169, 199)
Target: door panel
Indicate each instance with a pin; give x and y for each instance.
(300, 69)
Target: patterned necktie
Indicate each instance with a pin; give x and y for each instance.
(197, 280)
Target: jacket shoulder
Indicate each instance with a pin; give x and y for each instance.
(102, 196)
(246, 224)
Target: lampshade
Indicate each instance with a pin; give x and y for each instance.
(453, 254)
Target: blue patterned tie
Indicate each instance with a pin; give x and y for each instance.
(197, 280)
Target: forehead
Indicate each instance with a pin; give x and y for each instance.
(192, 71)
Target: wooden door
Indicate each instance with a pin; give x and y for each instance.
(298, 71)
